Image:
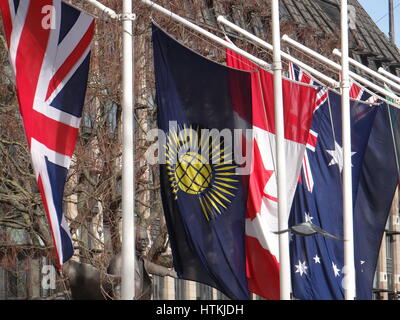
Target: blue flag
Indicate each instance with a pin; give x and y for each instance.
(317, 262)
(377, 186)
(204, 199)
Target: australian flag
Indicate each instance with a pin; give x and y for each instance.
(374, 183)
(317, 262)
(204, 197)
(49, 43)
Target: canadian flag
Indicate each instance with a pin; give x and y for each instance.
(262, 246)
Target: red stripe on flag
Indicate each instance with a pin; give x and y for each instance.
(30, 54)
(270, 197)
(7, 22)
(62, 138)
(312, 140)
(355, 91)
(298, 101)
(300, 179)
(306, 78)
(71, 60)
(263, 271)
(321, 100)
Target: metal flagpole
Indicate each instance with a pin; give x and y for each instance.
(128, 158)
(338, 67)
(284, 239)
(205, 33)
(373, 73)
(392, 35)
(104, 9)
(284, 55)
(349, 269)
(128, 151)
(284, 258)
(388, 75)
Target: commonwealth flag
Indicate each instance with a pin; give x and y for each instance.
(204, 195)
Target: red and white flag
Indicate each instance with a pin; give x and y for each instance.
(49, 44)
(262, 247)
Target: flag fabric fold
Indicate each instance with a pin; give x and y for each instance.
(378, 182)
(204, 198)
(262, 246)
(49, 43)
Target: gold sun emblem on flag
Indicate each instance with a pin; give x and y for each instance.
(201, 169)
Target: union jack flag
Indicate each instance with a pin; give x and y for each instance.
(357, 92)
(49, 45)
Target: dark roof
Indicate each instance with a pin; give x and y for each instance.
(315, 23)
(368, 43)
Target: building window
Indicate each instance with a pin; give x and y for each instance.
(112, 116)
(16, 282)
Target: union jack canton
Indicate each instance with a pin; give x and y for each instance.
(49, 45)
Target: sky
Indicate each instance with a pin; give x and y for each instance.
(379, 11)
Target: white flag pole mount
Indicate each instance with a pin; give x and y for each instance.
(349, 269)
(389, 75)
(284, 258)
(338, 67)
(373, 73)
(106, 10)
(205, 33)
(128, 158)
(284, 55)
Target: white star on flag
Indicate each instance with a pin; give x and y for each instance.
(308, 218)
(301, 268)
(337, 156)
(336, 270)
(317, 259)
(362, 262)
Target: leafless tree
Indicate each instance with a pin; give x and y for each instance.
(93, 190)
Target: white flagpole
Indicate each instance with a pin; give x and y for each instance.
(389, 75)
(373, 73)
(284, 258)
(338, 67)
(284, 55)
(111, 13)
(349, 269)
(128, 158)
(205, 33)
